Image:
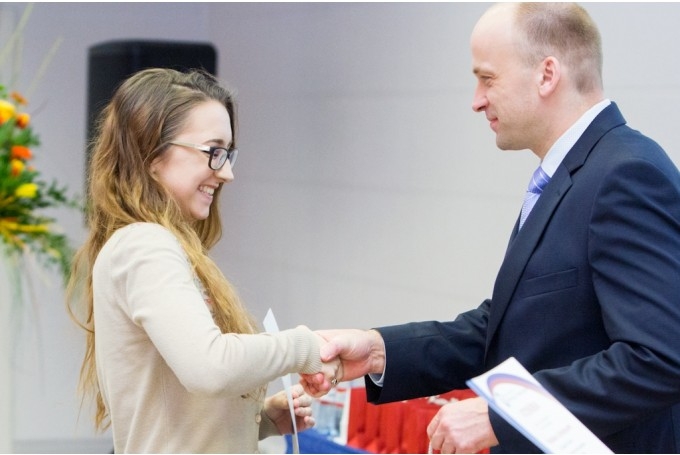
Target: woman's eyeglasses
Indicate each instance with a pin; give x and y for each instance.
(218, 155)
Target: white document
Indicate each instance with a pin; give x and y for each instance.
(271, 326)
(517, 397)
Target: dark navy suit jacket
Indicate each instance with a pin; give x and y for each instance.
(587, 299)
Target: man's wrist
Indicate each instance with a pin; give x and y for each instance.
(378, 354)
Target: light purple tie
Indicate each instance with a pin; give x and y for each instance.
(538, 181)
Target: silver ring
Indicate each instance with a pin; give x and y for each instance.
(334, 382)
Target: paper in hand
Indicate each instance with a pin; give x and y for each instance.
(271, 326)
(517, 397)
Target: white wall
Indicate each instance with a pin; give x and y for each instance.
(367, 192)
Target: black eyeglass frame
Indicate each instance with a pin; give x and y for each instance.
(232, 153)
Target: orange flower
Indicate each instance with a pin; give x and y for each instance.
(16, 96)
(21, 152)
(16, 167)
(7, 110)
(23, 119)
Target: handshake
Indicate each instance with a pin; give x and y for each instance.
(462, 426)
(346, 355)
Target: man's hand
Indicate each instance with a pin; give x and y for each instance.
(360, 352)
(462, 427)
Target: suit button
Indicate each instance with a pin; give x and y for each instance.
(258, 418)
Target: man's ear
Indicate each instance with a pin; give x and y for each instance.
(551, 72)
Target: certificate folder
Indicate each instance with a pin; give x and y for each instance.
(516, 396)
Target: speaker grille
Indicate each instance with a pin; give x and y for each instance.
(110, 63)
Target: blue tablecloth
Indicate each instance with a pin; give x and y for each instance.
(312, 441)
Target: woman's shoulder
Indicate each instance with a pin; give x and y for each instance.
(141, 229)
(141, 235)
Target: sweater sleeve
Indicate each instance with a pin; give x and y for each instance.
(267, 427)
(150, 270)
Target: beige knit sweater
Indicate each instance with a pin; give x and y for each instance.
(172, 382)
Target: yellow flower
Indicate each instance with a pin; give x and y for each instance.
(32, 228)
(23, 120)
(7, 110)
(26, 190)
(16, 167)
(9, 225)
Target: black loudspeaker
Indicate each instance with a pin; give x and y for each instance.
(110, 63)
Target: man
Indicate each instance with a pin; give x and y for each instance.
(588, 295)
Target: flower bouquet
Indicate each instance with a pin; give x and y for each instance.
(23, 228)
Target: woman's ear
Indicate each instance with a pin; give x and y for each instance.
(153, 167)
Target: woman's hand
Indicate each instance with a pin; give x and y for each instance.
(276, 408)
(359, 352)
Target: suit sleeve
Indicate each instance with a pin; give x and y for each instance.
(429, 358)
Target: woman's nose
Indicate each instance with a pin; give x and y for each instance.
(226, 174)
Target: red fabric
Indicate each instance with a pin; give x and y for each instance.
(399, 427)
(374, 442)
(356, 428)
(419, 414)
(391, 427)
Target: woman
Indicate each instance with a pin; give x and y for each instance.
(173, 358)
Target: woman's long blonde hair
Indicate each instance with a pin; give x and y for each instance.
(146, 112)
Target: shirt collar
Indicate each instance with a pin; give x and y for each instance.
(562, 146)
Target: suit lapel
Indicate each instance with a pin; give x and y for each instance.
(522, 246)
(523, 242)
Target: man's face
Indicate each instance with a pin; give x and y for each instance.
(505, 89)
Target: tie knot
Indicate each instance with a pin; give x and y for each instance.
(538, 181)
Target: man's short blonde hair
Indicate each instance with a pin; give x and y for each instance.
(565, 31)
